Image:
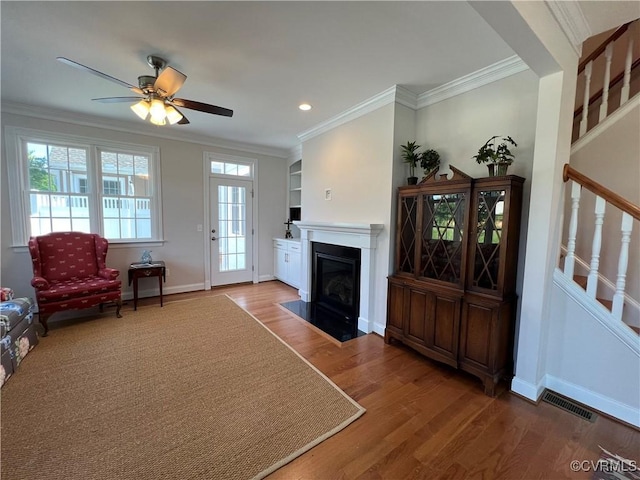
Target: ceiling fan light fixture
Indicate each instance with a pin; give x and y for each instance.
(141, 109)
(157, 110)
(173, 115)
(157, 120)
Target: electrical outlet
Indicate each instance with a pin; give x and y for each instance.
(327, 194)
(168, 272)
(199, 227)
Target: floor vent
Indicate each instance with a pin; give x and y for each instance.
(568, 405)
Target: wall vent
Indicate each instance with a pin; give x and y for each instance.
(568, 405)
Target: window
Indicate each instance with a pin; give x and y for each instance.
(228, 168)
(53, 187)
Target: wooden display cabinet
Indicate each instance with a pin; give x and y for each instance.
(452, 295)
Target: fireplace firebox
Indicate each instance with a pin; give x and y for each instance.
(336, 282)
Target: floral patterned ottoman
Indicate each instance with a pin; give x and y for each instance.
(18, 334)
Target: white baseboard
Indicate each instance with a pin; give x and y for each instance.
(265, 278)
(526, 389)
(595, 400)
(379, 328)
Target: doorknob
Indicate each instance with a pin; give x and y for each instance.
(213, 238)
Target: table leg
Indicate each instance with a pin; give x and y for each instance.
(135, 294)
(160, 283)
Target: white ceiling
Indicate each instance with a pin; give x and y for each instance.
(260, 59)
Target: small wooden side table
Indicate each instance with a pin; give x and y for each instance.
(145, 270)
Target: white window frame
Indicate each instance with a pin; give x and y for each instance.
(17, 172)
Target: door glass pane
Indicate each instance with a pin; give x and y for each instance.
(442, 235)
(407, 245)
(488, 239)
(231, 227)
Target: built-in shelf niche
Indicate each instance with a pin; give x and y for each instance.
(295, 194)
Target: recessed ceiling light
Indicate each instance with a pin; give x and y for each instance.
(304, 107)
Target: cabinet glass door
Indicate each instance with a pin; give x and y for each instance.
(407, 238)
(488, 238)
(442, 236)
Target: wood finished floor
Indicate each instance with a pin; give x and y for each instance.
(424, 420)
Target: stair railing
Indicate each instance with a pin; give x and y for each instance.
(630, 212)
(586, 68)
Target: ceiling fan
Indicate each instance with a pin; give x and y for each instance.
(156, 100)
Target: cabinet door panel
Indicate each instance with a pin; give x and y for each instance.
(295, 268)
(395, 304)
(280, 265)
(416, 313)
(446, 325)
(477, 333)
(406, 236)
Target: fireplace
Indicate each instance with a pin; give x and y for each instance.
(356, 236)
(335, 281)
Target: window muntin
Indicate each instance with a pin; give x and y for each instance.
(56, 184)
(231, 168)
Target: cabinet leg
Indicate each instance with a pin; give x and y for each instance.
(489, 387)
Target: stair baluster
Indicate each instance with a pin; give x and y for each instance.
(570, 259)
(618, 297)
(592, 279)
(587, 85)
(608, 54)
(626, 85)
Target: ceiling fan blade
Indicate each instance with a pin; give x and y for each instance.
(99, 74)
(184, 121)
(202, 107)
(116, 99)
(169, 81)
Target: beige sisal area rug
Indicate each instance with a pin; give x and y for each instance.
(194, 390)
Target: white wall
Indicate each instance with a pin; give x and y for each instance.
(459, 126)
(587, 361)
(182, 203)
(355, 161)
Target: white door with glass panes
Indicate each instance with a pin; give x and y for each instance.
(231, 230)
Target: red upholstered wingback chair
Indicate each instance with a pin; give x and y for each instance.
(70, 273)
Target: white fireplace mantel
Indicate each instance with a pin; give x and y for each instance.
(357, 235)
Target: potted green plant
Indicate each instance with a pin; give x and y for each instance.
(496, 154)
(411, 157)
(429, 161)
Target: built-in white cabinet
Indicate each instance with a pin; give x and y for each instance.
(287, 255)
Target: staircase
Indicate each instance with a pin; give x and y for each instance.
(618, 56)
(593, 339)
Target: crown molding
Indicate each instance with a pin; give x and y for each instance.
(572, 21)
(137, 129)
(492, 73)
(398, 94)
(295, 153)
(390, 95)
